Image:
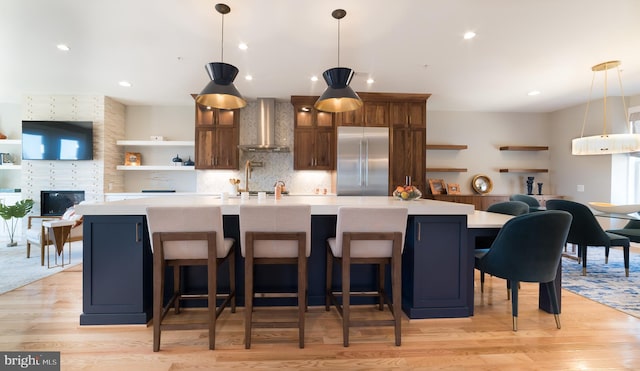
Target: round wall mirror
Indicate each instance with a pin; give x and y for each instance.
(482, 184)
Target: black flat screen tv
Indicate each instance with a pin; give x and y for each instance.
(57, 140)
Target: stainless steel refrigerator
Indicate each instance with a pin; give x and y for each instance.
(363, 161)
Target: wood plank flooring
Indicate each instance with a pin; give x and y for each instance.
(44, 316)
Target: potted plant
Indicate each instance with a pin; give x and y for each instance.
(13, 213)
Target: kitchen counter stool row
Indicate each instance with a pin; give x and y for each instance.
(274, 234)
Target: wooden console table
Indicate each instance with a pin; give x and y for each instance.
(482, 202)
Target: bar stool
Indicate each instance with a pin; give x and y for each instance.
(367, 236)
(189, 236)
(275, 234)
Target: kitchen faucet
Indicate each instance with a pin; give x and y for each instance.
(247, 175)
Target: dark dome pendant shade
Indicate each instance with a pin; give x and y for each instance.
(220, 91)
(338, 97)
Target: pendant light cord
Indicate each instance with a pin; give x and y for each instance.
(586, 113)
(222, 41)
(338, 42)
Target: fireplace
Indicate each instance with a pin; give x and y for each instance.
(54, 203)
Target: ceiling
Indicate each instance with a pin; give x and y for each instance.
(410, 46)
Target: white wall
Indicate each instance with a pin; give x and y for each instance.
(485, 133)
(593, 172)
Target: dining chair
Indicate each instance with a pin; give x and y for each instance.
(631, 230)
(514, 208)
(367, 236)
(188, 236)
(275, 234)
(586, 231)
(528, 248)
(534, 204)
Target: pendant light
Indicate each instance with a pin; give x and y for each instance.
(220, 91)
(338, 97)
(605, 144)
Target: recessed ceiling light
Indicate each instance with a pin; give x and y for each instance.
(469, 35)
(314, 78)
(533, 92)
(248, 77)
(243, 46)
(370, 80)
(126, 84)
(63, 47)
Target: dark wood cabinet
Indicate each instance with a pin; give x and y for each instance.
(407, 158)
(408, 114)
(217, 138)
(118, 289)
(314, 136)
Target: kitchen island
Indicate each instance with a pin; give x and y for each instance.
(437, 264)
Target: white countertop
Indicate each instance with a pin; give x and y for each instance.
(320, 205)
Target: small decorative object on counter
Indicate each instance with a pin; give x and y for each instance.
(2, 136)
(539, 188)
(233, 186)
(189, 162)
(407, 193)
(176, 161)
(278, 191)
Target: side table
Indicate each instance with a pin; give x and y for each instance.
(58, 232)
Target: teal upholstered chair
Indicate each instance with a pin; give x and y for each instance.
(510, 208)
(533, 203)
(528, 248)
(631, 231)
(514, 208)
(586, 231)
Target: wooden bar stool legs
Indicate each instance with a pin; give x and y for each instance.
(251, 262)
(275, 234)
(188, 236)
(373, 236)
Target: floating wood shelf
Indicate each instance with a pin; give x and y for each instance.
(446, 146)
(156, 143)
(155, 168)
(524, 170)
(446, 170)
(524, 148)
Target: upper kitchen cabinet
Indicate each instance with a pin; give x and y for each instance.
(408, 114)
(374, 112)
(217, 138)
(314, 136)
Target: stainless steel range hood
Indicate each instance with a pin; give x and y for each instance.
(265, 136)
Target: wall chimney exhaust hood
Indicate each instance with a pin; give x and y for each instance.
(266, 129)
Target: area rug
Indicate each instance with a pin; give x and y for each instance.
(605, 283)
(16, 270)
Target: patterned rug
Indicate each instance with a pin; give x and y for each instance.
(605, 283)
(16, 270)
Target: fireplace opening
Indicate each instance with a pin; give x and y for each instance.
(55, 203)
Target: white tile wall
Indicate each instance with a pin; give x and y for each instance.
(91, 176)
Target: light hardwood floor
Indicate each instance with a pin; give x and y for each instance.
(44, 316)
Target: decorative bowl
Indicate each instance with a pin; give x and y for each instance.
(407, 193)
(614, 209)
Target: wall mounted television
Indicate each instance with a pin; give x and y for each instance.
(57, 140)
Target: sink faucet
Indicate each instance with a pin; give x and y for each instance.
(247, 175)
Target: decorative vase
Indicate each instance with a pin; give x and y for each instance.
(539, 188)
(530, 185)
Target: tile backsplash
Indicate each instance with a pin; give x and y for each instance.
(276, 166)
